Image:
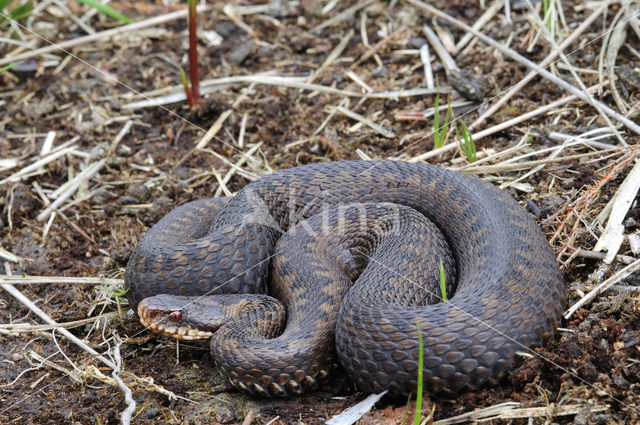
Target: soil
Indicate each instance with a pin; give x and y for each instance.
(593, 362)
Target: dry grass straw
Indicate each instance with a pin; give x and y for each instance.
(510, 410)
(65, 45)
(572, 216)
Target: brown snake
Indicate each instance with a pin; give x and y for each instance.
(351, 251)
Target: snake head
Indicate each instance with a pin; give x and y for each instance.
(186, 318)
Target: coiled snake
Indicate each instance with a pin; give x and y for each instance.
(351, 251)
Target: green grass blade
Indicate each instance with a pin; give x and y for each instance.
(405, 414)
(436, 123)
(469, 147)
(106, 10)
(22, 11)
(445, 126)
(120, 293)
(418, 414)
(469, 140)
(8, 67)
(443, 286)
(447, 116)
(545, 12)
(185, 85)
(4, 4)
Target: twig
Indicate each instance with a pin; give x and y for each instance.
(335, 53)
(448, 62)
(356, 79)
(481, 22)
(246, 174)
(48, 143)
(8, 256)
(377, 128)
(426, 62)
(115, 373)
(33, 280)
(74, 226)
(63, 6)
(379, 45)
(591, 142)
(27, 327)
(116, 140)
(243, 128)
(213, 130)
(363, 156)
(223, 182)
(229, 10)
(625, 259)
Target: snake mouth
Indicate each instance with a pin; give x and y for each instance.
(160, 321)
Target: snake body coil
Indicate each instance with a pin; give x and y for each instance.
(351, 250)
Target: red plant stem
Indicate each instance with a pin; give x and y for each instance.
(185, 85)
(193, 52)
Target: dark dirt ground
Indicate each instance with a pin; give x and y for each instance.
(595, 363)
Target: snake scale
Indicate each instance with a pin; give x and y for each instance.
(349, 253)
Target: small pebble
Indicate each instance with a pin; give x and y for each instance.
(224, 415)
(150, 413)
(279, 8)
(265, 52)
(634, 243)
(101, 197)
(159, 208)
(417, 42)
(551, 204)
(380, 72)
(588, 58)
(124, 150)
(121, 254)
(224, 28)
(533, 208)
(183, 173)
(128, 200)
(240, 53)
(162, 202)
(629, 76)
(472, 86)
(520, 5)
(138, 191)
(27, 68)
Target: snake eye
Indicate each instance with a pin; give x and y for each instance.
(175, 316)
